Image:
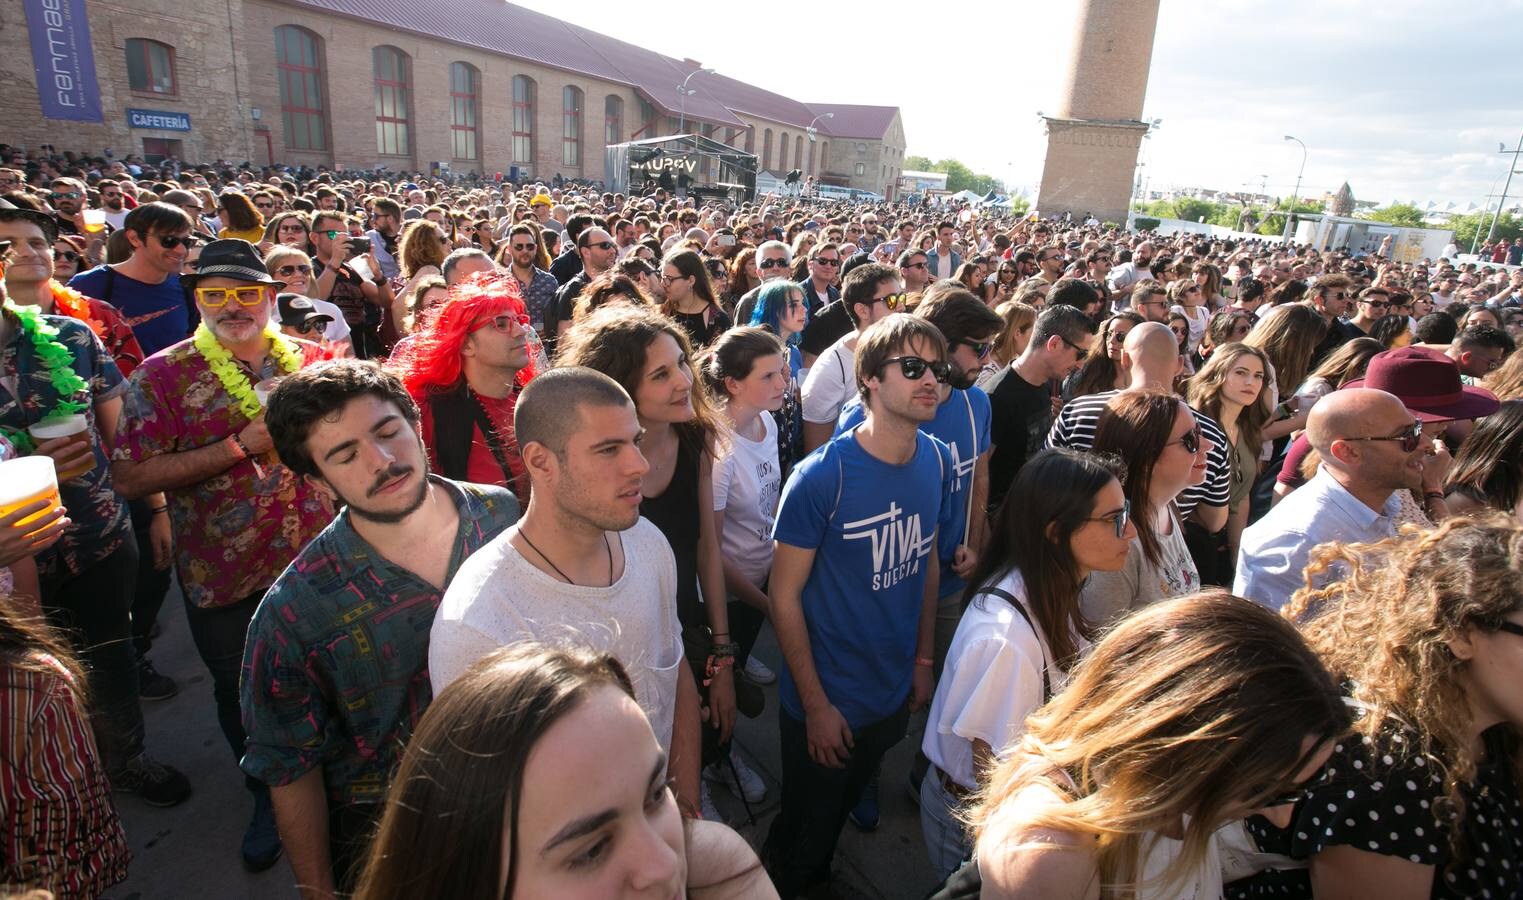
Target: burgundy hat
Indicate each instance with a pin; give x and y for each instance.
(1427, 383)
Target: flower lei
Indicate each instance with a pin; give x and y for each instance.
(233, 378)
(71, 303)
(57, 361)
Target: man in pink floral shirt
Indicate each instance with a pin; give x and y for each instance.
(193, 427)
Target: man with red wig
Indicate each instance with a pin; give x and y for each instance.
(465, 368)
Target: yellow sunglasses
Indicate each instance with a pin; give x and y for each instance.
(216, 298)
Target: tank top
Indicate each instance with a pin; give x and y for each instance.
(675, 513)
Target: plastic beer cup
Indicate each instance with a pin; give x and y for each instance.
(27, 480)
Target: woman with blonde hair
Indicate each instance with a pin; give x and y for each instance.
(1187, 716)
(1426, 631)
(1231, 389)
(420, 252)
(1507, 380)
(1013, 337)
(1341, 366)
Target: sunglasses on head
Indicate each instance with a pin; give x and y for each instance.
(914, 368)
(1410, 439)
(1118, 519)
(216, 298)
(772, 264)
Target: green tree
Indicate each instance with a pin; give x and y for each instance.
(1403, 214)
(918, 163)
(1274, 221)
(959, 176)
(1466, 228)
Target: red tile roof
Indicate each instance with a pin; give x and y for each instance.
(510, 30)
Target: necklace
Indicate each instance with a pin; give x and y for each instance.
(608, 548)
(233, 379)
(57, 362)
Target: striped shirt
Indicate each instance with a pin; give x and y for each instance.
(58, 828)
(1075, 427)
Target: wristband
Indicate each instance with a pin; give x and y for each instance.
(1434, 495)
(159, 509)
(724, 649)
(243, 450)
(922, 661)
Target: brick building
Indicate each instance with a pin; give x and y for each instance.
(475, 85)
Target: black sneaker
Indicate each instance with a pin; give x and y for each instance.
(151, 685)
(156, 783)
(261, 840)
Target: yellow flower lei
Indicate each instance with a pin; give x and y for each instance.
(233, 378)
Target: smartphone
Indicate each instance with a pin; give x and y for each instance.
(359, 246)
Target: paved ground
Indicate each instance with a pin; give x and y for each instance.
(192, 850)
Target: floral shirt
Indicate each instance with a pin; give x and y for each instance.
(98, 518)
(335, 669)
(236, 531)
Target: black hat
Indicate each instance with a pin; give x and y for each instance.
(10, 212)
(230, 258)
(296, 311)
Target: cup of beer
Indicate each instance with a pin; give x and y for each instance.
(95, 220)
(76, 428)
(27, 480)
(263, 389)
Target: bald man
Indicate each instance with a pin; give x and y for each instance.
(1151, 356)
(1371, 447)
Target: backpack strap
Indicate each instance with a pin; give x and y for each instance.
(1021, 608)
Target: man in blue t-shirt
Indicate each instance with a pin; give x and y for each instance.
(146, 288)
(853, 593)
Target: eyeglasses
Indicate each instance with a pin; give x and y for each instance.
(773, 263)
(523, 246)
(980, 348)
(1376, 304)
(286, 271)
(1291, 795)
(1410, 439)
(893, 301)
(332, 235)
(171, 241)
(919, 265)
(313, 325)
(1334, 295)
(913, 368)
(827, 261)
(1509, 627)
(668, 279)
(1190, 440)
(67, 195)
(1043, 259)
(1076, 348)
(506, 323)
(66, 255)
(216, 298)
(1118, 519)
(1118, 337)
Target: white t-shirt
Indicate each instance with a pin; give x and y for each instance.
(336, 330)
(117, 219)
(1197, 324)
(498, 598)
(992, 681)
(747, 484)
(831, 382)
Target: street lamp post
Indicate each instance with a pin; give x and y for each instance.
(1492, 231)
(683, 93)
(1295, 193)
(811, 130)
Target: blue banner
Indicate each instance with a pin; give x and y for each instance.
(159, 119)
(63, 59)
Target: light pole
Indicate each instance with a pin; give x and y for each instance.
(811, 130)
(1492, 231)
(683, 93)
(1293, 194)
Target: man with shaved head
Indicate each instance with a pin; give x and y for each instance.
(1370, 446)
(1151, 356)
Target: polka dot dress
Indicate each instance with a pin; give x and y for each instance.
(1378, 797)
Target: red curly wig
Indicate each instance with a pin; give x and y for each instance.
(431, 360)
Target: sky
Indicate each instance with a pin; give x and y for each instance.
(1404, 99)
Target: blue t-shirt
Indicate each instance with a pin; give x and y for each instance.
(871, 525)
(962, 423)
(156, 313)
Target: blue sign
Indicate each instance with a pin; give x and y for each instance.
(159, 119)
(63, 59)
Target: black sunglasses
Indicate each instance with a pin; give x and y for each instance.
(913, 368)
(171, 241)
(67, 255)
(1410, 439)
(980, 348)
(772, 264)
(827, 261)
(1190, 440)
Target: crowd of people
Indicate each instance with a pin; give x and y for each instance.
(1192, 566)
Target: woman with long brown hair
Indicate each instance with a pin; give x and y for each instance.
(1187, 716)
(240, 218)
(690, 299)
(1232, 390)
(1013, 337)
(420, 253)
(1155, 434)
(649, 355)
(1101, 370)
(535, 774)
(1288, 337)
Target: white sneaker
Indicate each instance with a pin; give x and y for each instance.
(757, 671)
(751, 786)
(706, 805)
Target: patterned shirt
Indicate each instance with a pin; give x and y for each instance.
(335, 669)
(538, 294)
(99, 523)
(236, 531)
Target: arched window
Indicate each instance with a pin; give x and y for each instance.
(465, 107)
(393, 87)
(299, 65)
(813, 146)
(825, 156)
(613, 119)
(766, 149)
(523, 119)
(750, 138)
(798, 151)
(571, 126)
(782, 151)
(150, 67)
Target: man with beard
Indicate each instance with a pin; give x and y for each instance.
(385, 222)
(193, 427)
(535, 285)
(68, 201)
(335, 672)
(112, 202)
